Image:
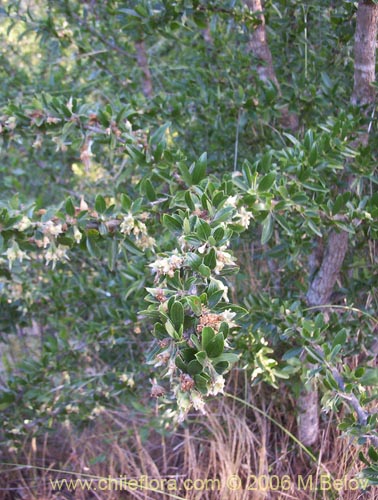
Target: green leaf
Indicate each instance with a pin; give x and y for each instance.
(100, 204)
(340, 338)
(203, 230)
(185, 173)
(228, 357)
(202, 381)
(70, 207)
(194, 367)
(215, 297)
(189, 201)
(171, 223)
(198, 169)
(125, 202)
(193, 260)
(373, 454)
(210, 259)
(218, 234)
(171, 330)
(6, 399)
(195, 304)
(180, 364)
(215, 346)
(370, 377)
(222, 215)
(266, 182)
(188, 354)
(204, 270)
(92, 247)
(314, 228)
(326, 80)
(338, 205)
(149, 190)
(159, 134)
(267, 230)
(177, 314)
(207, 335)
(313, 156)
(112, 254)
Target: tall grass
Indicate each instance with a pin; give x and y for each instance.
(248, 441)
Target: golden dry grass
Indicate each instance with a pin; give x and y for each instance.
(232, 442)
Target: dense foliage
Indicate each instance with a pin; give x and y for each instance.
(125, 216)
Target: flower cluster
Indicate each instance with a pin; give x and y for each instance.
(14, 253)
(167, 265)
(131, 225)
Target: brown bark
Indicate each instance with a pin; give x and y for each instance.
(259, 47)
(321, 287)
(364, 53)
(142, 61)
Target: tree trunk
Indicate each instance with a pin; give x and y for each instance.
(321, 287)
(142, 61)
(259, 47)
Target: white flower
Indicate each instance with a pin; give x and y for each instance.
(24, 223)
(227, 316)
(198, 402)
(183, 403)
(146, 242)
(231, 201)
(127, 379)
(55, 254)
(244, 217)
(140, 227)
(202, 248)
(167, 265)
(127, 225)
(77, 234)
(218, 386)
(14, 253)
(51, 229)
(44, 242)
(223, 259)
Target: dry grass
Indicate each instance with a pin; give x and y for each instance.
(232, 440)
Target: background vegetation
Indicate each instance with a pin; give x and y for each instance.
(164, 212)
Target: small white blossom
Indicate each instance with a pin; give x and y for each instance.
(145, 242)
(198, 402)
(244, 217)
(183, 403)
(223, 259)
(127, 379)
(218, 386)
(228, 316)
(140, 227)
(24, 223)
(43, 243)
(231, 201)
(77, 234)
(51, 229)
(37, 144)
(167, 265)
(202, 248)
(55, 254)
(14, 253)
(127, 224)
(97, 410)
